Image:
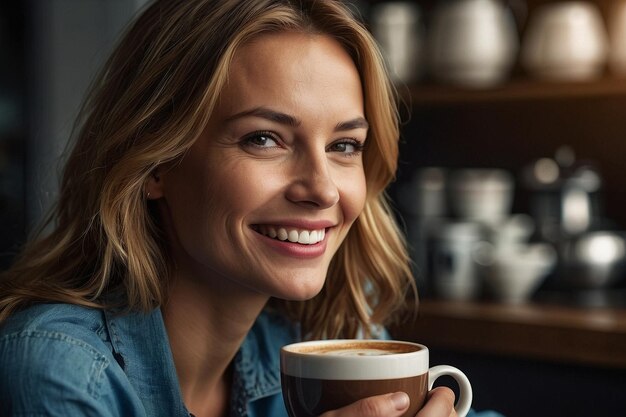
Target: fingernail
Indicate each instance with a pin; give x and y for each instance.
(400, 400)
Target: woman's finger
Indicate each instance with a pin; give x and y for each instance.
(387, 405)
(439, 403)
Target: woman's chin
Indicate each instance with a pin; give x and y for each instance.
(302, 292)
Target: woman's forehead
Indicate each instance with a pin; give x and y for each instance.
(287, 71)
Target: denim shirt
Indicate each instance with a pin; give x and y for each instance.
(66, 360)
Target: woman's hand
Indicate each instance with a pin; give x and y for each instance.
(439, 403)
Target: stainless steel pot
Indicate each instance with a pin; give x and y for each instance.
(592, 260)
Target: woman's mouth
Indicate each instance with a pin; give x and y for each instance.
(289, 234)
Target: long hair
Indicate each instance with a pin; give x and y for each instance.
(150, 103)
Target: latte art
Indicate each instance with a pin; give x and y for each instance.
(361, 348)
(354, 359)
(358, 352)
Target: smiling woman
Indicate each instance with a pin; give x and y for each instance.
(224, 196)
(282, 150)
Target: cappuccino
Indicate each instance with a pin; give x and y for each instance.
(354, 360)
(320, 376)
(357, 352)
(373, 348)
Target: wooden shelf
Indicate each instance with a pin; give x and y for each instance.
(515, 90)
(595, 337)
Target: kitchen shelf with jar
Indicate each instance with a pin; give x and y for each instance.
(496, 50)
(484, 97)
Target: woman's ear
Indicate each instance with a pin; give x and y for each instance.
(154, 185)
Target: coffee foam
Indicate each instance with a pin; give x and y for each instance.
(353, 359)
(357, 352)
(355, 348)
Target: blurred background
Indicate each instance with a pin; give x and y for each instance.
(49, 52)
(512, 192)
(510, 185)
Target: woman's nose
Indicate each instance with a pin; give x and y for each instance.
(313, 184)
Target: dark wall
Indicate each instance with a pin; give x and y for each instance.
(12, 127)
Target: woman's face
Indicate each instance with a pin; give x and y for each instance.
(269, 191)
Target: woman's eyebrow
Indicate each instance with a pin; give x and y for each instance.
(289, 120)
(269, 114)
(356, 123)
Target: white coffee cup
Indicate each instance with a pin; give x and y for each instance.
(324, 375)
(480, 194)
(454, 272)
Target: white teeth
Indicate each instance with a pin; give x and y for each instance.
(303, 237)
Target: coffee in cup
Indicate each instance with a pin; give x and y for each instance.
(320, 376)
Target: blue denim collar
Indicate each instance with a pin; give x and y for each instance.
(140, 345)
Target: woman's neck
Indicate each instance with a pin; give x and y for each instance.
(206, 321)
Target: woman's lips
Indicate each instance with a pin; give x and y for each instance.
(293, 242)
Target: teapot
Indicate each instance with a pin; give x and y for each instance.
(472, 43)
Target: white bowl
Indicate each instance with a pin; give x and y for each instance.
(513, 273)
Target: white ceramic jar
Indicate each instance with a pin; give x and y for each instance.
(397, 26)
(565, 41)
(472, 43)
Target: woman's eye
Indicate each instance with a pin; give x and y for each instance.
(349, 147)
(261, 140)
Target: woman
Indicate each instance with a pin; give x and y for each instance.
(224, 197)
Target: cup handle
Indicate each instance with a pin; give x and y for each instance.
(464, 402)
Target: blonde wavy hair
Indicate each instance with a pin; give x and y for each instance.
(147, 107)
